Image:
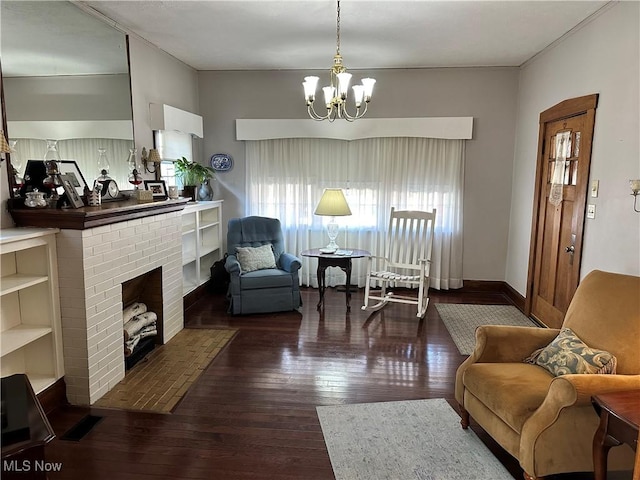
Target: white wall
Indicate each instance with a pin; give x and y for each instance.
(487, 94)
(157, 77)
(602, 57)
(70, 97)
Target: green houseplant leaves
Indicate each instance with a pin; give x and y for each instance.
(192, 173)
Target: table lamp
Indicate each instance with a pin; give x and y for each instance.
(332, 204)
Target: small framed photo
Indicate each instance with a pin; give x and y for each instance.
(68, 183)
(157, 187)
(70, 169)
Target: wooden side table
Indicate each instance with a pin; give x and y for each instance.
(619, 419)
(326, 260)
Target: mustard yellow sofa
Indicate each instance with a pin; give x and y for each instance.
(547, 423)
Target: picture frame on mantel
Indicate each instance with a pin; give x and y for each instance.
(158, 189)
(68, 183)
(70, 169)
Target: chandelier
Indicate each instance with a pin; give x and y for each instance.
(335, 94)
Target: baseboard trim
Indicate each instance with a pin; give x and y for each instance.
(53, 397)
(494, 286)
(498, 287)
(192, 297)
(484, 286)
(517, 299)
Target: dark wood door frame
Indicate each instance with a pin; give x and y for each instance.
(565, 109)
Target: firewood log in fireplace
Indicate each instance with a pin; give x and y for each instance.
(130, 345)
(132, 310)
(147, 331)
(133, 326)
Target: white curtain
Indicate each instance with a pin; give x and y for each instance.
(286, 178)
(85, 153)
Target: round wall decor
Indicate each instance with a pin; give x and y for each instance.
(221, 162)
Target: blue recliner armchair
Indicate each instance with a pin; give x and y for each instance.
(267, 289)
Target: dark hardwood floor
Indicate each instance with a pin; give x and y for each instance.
(251, 415)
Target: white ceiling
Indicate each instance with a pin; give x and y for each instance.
(289, 34)
(271, 34)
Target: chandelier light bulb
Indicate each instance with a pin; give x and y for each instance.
(358, 94)
(310, 84)
(343, 84)
(368, 84)
(328, 95)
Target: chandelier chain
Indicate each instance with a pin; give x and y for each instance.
(338, 30)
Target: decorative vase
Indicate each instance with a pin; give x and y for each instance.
(52, 151)
(103, 161)
(205, 192)
(131, 159)
(35, 199)
(189, 191)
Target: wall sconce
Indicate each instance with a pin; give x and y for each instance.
(635, 188)
(4, 145)
(154, 157)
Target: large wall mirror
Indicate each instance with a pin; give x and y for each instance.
(66, 83)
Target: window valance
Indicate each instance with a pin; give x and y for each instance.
(452, 128)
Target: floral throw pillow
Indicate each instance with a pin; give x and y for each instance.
(568, 354)
(256, 258)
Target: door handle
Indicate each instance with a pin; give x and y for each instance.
(571, 249)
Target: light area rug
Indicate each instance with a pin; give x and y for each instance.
(158, 383)
(408, 440)
(462, 320)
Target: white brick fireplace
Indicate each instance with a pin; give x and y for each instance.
(92, 265)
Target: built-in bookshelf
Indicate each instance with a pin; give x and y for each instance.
(30, 326)
(201, 242)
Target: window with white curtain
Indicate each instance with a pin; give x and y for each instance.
(286, 178)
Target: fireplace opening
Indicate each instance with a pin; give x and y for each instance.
(142, 316)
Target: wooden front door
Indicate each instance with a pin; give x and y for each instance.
(564, 158)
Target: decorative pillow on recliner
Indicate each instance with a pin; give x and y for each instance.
(568, 354)
(256, 258)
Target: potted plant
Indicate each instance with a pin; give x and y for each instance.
(192, 175)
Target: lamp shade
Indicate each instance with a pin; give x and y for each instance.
(333, 204)
(154, 156)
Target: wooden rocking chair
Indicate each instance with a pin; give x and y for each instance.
(406, 261)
